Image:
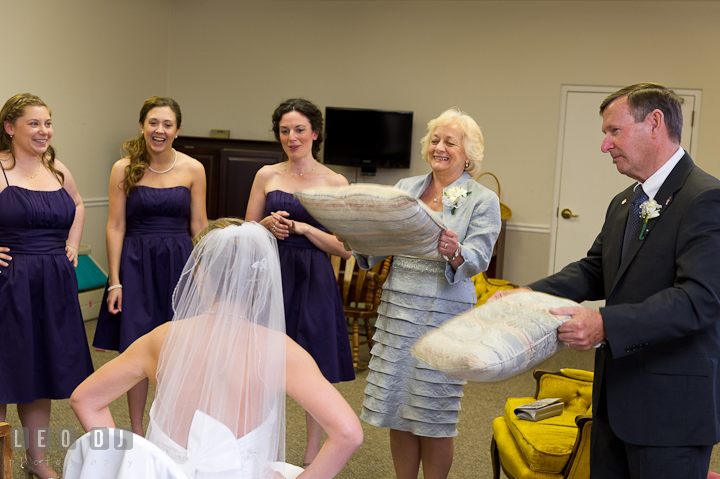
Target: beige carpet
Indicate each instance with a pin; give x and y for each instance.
(481, 404)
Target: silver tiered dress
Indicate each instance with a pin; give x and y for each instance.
(419, 295)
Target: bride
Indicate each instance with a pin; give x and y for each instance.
(221, 369)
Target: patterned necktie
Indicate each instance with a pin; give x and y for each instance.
(634, 219)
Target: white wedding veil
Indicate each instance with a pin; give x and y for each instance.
(224, 353)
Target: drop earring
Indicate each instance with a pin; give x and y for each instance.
(467, 163)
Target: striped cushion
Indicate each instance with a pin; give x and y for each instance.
(496, 340)
(376, 220)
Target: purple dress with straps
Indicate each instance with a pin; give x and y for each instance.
(314, 313)
(155, 249)
(44, 352)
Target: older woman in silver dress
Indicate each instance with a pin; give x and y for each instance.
(418, 404)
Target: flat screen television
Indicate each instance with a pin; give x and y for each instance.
(368, 138)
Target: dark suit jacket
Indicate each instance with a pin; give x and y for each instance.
(660, 363)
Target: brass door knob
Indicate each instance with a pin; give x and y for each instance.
(567, 214)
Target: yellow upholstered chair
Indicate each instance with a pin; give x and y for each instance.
(486, 287)
(553, 448)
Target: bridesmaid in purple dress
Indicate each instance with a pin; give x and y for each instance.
(44, 355)
(313, 307)
(157, 203)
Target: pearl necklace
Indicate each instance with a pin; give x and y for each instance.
(36, 173)
(165, 171)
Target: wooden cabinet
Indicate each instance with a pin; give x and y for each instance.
(230, 167)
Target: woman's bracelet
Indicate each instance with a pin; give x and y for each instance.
(457, 253)
(116, 286)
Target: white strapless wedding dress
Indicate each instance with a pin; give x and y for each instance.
(212, 452)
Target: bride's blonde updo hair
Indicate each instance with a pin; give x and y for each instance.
(473, 141)
(219, 223)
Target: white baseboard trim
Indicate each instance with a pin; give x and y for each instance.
(528, 228)
(521, 227)
(96, 202)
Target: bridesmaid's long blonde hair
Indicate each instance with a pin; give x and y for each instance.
(137, 147)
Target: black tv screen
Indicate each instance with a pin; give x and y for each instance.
(368, 138)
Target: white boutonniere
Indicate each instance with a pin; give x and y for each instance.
(454, 197)
(648, 210)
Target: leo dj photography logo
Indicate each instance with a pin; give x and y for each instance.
(63, 438)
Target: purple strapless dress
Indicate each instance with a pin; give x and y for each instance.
(44, 352)
(156, 247)
(314, 313)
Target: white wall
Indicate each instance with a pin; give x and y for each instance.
(503, 62)
(93, 62)
(230, 62)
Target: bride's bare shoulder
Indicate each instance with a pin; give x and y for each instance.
(156, 338)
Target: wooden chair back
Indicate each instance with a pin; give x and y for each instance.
(361, 291)
(6, 469)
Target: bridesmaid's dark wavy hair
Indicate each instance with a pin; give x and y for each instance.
(309, 110)
(137, 147)
(13, 109)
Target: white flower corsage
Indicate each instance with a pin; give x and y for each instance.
(454, 197)
(648, 210)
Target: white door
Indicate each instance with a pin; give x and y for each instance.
(585, 178)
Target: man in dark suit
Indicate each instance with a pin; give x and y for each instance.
(656, 395)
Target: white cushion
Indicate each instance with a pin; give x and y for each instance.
(376, 220)
(496, 340)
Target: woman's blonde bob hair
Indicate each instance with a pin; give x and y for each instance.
(473, 141)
